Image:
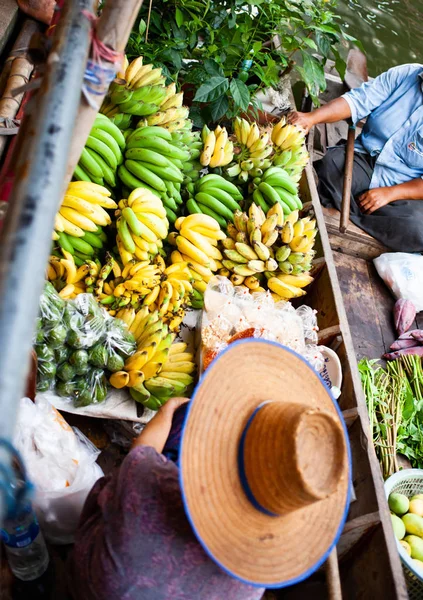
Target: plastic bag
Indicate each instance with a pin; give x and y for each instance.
(233, 313)
(62, 465)
(74, 357)
(403, 274)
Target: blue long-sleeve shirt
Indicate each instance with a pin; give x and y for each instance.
(393, 103)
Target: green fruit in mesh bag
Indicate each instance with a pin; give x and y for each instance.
(44, 384)
(44, 352)
(47, 369)
(115, 362)
(79, 361)
(98, 356)
(57, 336)
(65, 389)
(65, 372)
(61, 354)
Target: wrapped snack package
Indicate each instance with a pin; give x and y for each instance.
(233, 313)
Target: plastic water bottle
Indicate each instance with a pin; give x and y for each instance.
(25, 546)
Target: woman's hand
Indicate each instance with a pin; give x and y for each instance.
(374, 199)
(302, 120)
(156, 432)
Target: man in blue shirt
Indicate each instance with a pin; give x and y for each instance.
(387, 187)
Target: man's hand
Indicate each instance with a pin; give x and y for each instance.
(302, 120)
(374, 199)
(156, 432)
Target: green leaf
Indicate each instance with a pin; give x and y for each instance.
(340, 64)
(310, 43)
(240, 93)
(313, 74)
(257, 47)
(172, 56)
(212, 89)
(142, 27)
(179, 17)
(213, 68)
(219, 107)
(323, 43)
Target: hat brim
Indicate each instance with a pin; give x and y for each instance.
(249, 545)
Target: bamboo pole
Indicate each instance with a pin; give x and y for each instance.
(18, 69)
(113, 29)
(332, 576)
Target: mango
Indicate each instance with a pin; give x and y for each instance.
(406, 547)
(413, 524)
(398, 526)
(416, 507)
(398, 503)
(416, 545)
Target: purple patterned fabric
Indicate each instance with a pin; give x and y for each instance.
(135, 543)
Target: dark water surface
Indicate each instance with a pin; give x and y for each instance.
(390, 30)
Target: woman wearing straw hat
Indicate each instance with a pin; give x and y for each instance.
(258, 498)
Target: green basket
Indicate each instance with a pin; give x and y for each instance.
(408, 482)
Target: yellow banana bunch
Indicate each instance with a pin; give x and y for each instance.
(290, 149)
(82, 210)
(141, 225)
(197, 241)
(172, 295)
(248, 249)
(264, 247)
(67, 278)
(172, 378)
(252, 149)
(173, 119)
(153, 343)
(218, 150)
(159, 369)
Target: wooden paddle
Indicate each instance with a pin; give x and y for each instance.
(355, 75)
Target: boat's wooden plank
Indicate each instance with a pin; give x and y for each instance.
(354, 241)
(350, 416)
(360, 305)
(367, 480)
(354, 531)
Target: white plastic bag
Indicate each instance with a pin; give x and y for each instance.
(403, 274)
(61, 463)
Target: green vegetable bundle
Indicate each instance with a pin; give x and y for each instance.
(78, 344)
(395, 403)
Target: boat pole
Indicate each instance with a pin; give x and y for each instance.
(41, 160)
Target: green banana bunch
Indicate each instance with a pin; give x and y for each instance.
(170, 114)
(140, 93)
(252, 149)
(276, 186)
(172, 380)
(102, 153)
(154, 161)
(190, 141)
(216, 197)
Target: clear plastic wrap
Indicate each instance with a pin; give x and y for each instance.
(233, 313)
(75, 357)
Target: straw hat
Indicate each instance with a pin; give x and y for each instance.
(265, 465)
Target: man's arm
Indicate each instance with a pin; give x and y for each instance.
(357, 103)
(333, 111)
(377, 197)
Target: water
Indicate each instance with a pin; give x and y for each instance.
(25, 547)
(390, 30)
